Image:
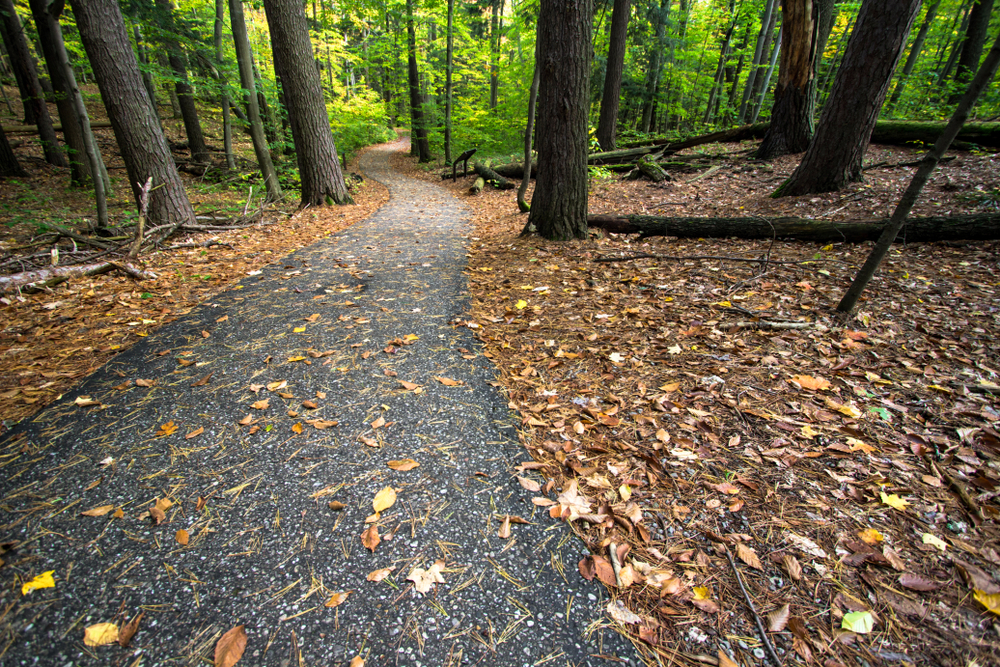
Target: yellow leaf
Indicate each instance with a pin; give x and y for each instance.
(100, 634)
(296, 358)
(44, 580)
(870, 536)
(167, 429)
(182, 537)
(860, 622)
(98, 511)
(893, 500)
(521, 304)
(702, 593)
(384, 499)
(989, 600)
(297, 427)
(337, 599)
(403, 465)
(935, 541)
(298, 329)
(625, 491)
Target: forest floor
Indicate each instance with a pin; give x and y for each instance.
(843, 472)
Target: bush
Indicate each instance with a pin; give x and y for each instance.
(359, 121)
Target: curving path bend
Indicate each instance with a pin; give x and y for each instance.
(338, 326)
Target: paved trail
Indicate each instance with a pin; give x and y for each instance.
(338, 324)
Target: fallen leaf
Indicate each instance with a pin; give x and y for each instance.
(378, 423)
(748, 556)
(725, 660)
(379, 575)
(989, 600)
(504, 531)
(870, 536)
(916, 582)
(202, 382)
(934, 541)
(85, 402)
(530, 484)
(336, 505)
(195, 433)
(182, 537)
(99, 511)
(403, 465)
(230, 647)
(778, 619)
(423, 580)
(44, 580)
(129, 629)
(860, 622)
(321, 424)
(357, 661)
(448, 382)
(893, 500)
(297, 427)
(310, 405)
(618, 611)
(167, 429)
(145, 383)
(409, 386)
(370, 538)
(792, 567)
(384, 499)
(261, 405)
(337, 599)
(810, 382)
(246, 420)
(100, 634)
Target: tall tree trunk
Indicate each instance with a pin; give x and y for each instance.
(270, 122)
(417, 115)
(227, 125)
(956, 46)
(835, 154)
(147, 76)
(559, 205)
(32, 96)
(766, 81)
(927, 165)
(607, 124)
(734, 77)
(47, 26)
(140, 139)
(315, 151)
(447, 81)
(772, 48)
(185, 96)
(9, 166)
(495, 7)
(791, 118)
(911, 59)
(655, 65)
(243, 60)
(720, 70)
(522, 204)
(972, 45)
(762, 39)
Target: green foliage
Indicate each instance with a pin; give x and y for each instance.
(359, 121)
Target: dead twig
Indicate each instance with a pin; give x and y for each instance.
(750, 260)
(767, 324)
(756, 617)
(956, 486)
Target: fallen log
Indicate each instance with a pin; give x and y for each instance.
(651, 170)
(33, 129)
(493, 177)
(477, 187)
(35, 281)
(981, 227)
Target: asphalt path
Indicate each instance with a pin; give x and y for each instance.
(230, 464)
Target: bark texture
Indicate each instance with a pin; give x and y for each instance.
(607, 124)
(418, 119)
(185, 96)
(559, 204)
(972, 45)
(137, 130)
(319, 166)
(9, 166)
(834, 156)
(791, 115)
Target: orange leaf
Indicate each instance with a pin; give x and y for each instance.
(195, 433)
(182, 537)
(98, 511)
(448, 382)
(379, 575)
(810, 382)
(370, 538)
(167, 429)
(261, 405)
(403, 465)
(338, 599)
(297, 427)
(378, 423)
(230, 647)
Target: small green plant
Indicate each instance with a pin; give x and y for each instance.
(600, 174)
(983, 200)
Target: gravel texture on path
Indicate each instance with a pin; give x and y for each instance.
(234, 443)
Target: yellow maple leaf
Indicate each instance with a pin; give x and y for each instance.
(893, 500)
(989, 600)
(702, 593)
(167, 429)
(44, 580)
(384, 499)
(521, 304)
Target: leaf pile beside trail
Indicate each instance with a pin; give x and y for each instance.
(704, 422)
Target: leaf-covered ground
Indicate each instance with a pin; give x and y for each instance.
(847, 469)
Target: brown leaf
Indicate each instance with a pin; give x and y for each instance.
(378, 423)
(448, 382)
(182, 537)
(748, 556)
(145, 383)
(792, 567)
(403, 465)
(246, 420)
(504, 531)
(423, 580)
(230, 647)
(588, 570)
(195, 433)
(409, 386)
(202, 382)
(357, 661)
(379, 575)
(916, 582)
(129, 629)
(370, 538)
(310, 405)
(158, 515)
(98, 511)
(321, 423)
(261, 405)
(336, 505)
(338, 599)
(530, 484)
(778, 619)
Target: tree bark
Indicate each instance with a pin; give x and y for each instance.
(32, 96)
(243, 60)
(417, 119)
(791, 115)
(834, 156)
(47, 26)
(9, 166)
(526, 169)
(495, 9)
(227, 125)
(185, 96)
(762, 38)
(607, 123)
(655, 63)
(930, 161)
(315, 151)
(972, 45)
(447, 81)
(981, 227)
(137, 130)
(911, 59)
(559, 205)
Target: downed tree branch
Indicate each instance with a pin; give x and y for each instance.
(756, 617)
(767, 324)
(477, 187)
(980, 227)
(491, 176)
(38, 280)
(726, 258)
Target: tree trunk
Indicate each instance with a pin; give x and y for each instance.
(185, 96)
(559, 206)
(418, 129)
(720, 72)
(972, 45)
(834, 157)
(791, 118)
(772, 48)
(981, 227)
(758, 54)
(47, 26)
(227, 126)
(522, 204)
(495, 6)
(147, 76)
(315, 152)
(243, 60)
(27, 81)
(9, 166)
(655, 63)
(607, 124)
(911, 59)
(447, 81)
(140, 139)
(930, 161)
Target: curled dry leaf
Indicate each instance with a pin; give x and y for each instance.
(357, 661)
(229, 649)
(748, 556)
(145, 383)
(338, 599)
(778, 619)
(530, 484)
(409, 386)
(99, 511)
(246, 420)
(167, 429)
(403, 465)
(379, 575)
(504, 531)
(100, 634)
(195, 433)
(792, 567)
(321, 424)
(448, 382)
(618, 611)
(86, 402)
(336, 505)
(423, 580)
(129, 629)
(370, 538)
